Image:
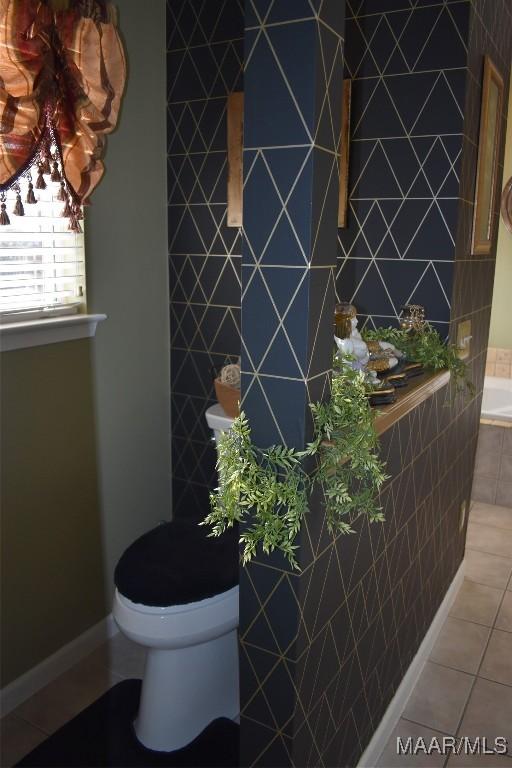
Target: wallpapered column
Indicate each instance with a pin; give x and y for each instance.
(292, 81)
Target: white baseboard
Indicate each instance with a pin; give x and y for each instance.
(394, 711)
(36, 678)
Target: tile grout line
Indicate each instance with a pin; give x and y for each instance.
(477, 623)
(474, 549)
(490, 525)
(474, 675)
(477, 676)
(29, 723)
(422, 725)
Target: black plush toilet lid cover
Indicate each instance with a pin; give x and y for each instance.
(177, 563)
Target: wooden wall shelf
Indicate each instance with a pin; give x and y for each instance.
(408, 398)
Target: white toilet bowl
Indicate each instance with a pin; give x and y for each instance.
(185, 612)
(217, 420)
(191, 674)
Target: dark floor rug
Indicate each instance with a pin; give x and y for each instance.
(102, 735)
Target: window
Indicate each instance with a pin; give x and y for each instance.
(42, 267)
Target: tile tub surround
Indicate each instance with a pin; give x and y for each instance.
(466, 686)
(205, 61)
(499, 362)
(493, 465)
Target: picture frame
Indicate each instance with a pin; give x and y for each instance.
(344, 150)
(484, 219)
(235, 139)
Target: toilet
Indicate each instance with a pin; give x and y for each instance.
(217, 420)
(177, 595)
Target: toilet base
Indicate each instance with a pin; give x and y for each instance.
(184, 689)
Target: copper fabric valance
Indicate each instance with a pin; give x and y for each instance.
(62, 76)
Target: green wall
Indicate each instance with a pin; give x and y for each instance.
(500, 334)
(85, 424)
(51, 566)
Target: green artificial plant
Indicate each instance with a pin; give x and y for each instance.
(269, 489)
(426, 346)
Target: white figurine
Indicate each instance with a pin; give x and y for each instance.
(360, 348)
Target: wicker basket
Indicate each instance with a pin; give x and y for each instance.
(228, 397)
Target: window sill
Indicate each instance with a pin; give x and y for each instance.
(35, 333)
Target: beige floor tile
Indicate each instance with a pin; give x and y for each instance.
(497, 541)
(491, 514)
(497, 663)
(490, 439)
(476, 602)
(438, 698)
(484, 488)
(17, 739)
(460, 645)
(489, 712)
(484, 568)
(122, 656)
(405, 729)
(487, 464)
(504, 620)
(506, 471)
(66, 696)
(504, 493)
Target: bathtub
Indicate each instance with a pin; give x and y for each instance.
(497, 399)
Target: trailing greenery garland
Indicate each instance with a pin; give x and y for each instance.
(426, 347)
(269, 489)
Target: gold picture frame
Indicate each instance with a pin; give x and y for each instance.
(484, 220)
(235, 129)
(344, 150)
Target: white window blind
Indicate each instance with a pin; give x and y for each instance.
(42, 267)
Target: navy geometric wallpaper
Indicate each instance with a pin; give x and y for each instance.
(408, 61)
(323, 652)
(204, 64)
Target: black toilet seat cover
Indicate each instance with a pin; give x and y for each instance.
(177, 563)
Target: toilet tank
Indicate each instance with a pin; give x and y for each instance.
(217, 420)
